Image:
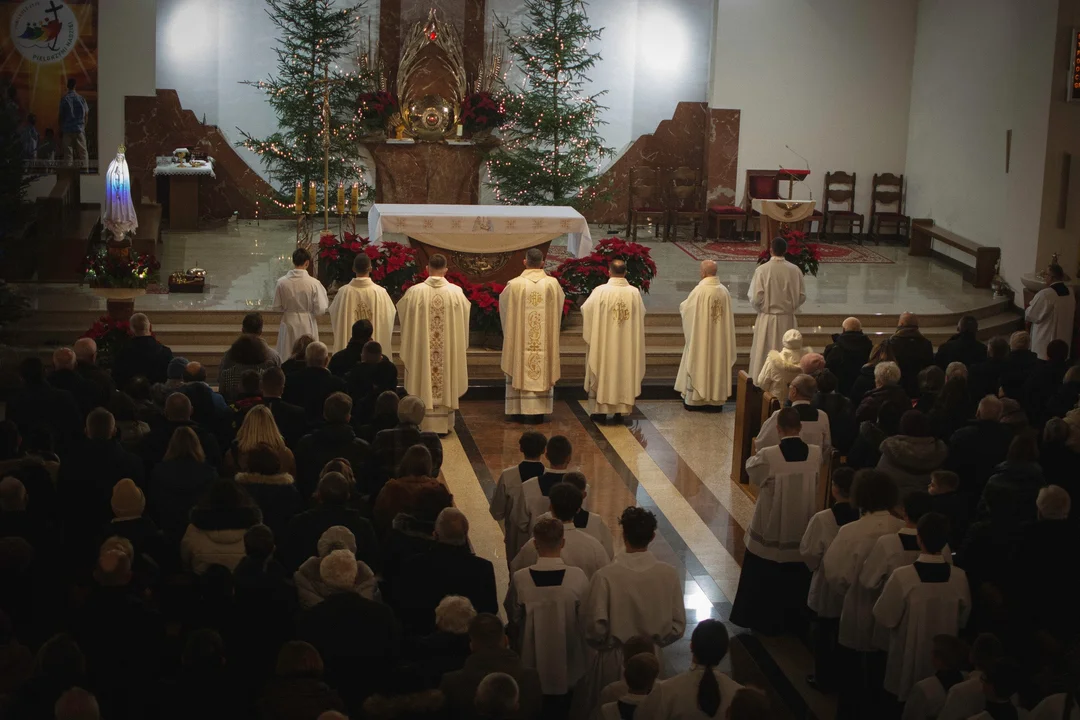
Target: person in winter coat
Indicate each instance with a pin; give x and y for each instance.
(311, 588)
(271, 487)
(128, 505)
(177, 483)
(913, 351)
(258, 428)
(297, 691)
(332, 497)
(847, 353)
(887, 387)
(842, 425)
(952, 408)
(781, 366)
(910, 457)
(215, 535)
(865, 381)
(390, 446)
(866, 450)
(1015, 483)
(964, 346)
(413, 476)
(977, 447)
(335, 439)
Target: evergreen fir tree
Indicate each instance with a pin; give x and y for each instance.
(551, 146)
(314, 35)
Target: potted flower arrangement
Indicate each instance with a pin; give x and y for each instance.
(481, 112)
(485, 312)
(393, 265)
(640, 268)
(800, 253)
(376, 109)
(124, 271)
(580, 276)
(112, 336)
(336, 257)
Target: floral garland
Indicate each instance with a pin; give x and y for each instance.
(109, 269)
(800, 253)
(111, 336)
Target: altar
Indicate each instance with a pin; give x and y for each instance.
(485, 242)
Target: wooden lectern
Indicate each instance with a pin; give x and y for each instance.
(777, 215)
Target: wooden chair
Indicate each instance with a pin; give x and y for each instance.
(686, 201)
(887, 205)
(760, 185)
(840, 191)
(646, 202)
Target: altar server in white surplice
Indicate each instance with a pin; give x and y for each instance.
(927, 598)
(362, 299)
(434, 337)
(549, 598)
(774, 582)
(580, 549)
(614, 332)
(776, 292)
(508, 500)
(1051, 313)
(704, 377)
(635, 595)
(301, 300)
(531, 311)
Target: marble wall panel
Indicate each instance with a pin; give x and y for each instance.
(721, 157)
(426, 173)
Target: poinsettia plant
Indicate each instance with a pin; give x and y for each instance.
(485, 312)
(337, 255)
(376, 109)
(580, 276)
(806, 256)
(393, 265)
(117, 269)
(482, 111)
(111, 336)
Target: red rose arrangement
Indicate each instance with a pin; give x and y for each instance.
(800, 253)
(482, 111)
(376, 108)
(111, 336)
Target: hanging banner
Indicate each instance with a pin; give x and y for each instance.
(49, 80)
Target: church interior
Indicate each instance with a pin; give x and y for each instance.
(778, 295)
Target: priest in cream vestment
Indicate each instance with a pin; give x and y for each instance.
(614, 332)
(301, 300)
(776, 292)
(704, 377)
(434, 337)
(531, 311)
(362, 299)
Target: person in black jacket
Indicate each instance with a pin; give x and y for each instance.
(374, 375)
(912, 350)
(985, 378)
(864, 381)
(301, 539)
(309, 386)
(290, 419)
(177, 483)
(1044, 382)
(273, 489)
(390, 446)
(866, 450)
(978, 447)
(85, 350)
(842, 425)
(178, 411)
(964, 346)
(144, 355)
(39, 405)
(65, 377)
(349, 357)
(849, 351)
(334, 439)
(1020, 365)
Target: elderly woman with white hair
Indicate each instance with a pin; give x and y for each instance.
(312, 588)
(781, 366)
(390, 446)
(446, 649)
(886, 387)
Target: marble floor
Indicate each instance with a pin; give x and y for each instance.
(244, 259)
(676, 464)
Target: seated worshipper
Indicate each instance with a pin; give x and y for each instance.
(177, 482)
(875, 495)
(1014, 416)
(1000, 684)
(358, 639)
(590, 522)
(1067, 396)
(838, 407)
(1016, 482)
(955, 369)
(549, 597)
(449, 567)
(207, 405)
(637, 595)
(823, 600)
(384, 416)
(947, 499)
(634, 645)
(640, 673)
(985, 378)
(297, 359)
(36, 404)
(347, 355)
(774, 581)
(312, 588)
(811, 363)
(251, 326)
(931, 381)
(910, 456)
(534, 491)
(128, 506)
(374, 375)
(311, 385)
(927, 696)
(215, 534)
(490, 655)
(129, 428)
(847, 353)
(65, 377)
(85, 350)
(508, 497)
(1020, 364)
(952, 408)
(143, 355)
(913, 351)
(966, 698)
(290, 419)
(497, 698)
(978, 447)
(781, 366)
(297, 689)
(814, 422)
(920, 601)
(178, 413)
(964, 347)
(1060, 455)
(411, 535)
(1045, 381)
(249, 395)
(886, 389)
(446, 648)
(248, 352)
(701, 691)
(258, 428)
(331, 509)
(866, 381)
(174, 379)
(389, 447)
(413, 476)
(334, 439)
(580, 549)
(271, 487)
(262, 586)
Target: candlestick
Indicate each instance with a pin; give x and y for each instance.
(313, 200)
(460, 130)
(355, 198)
(298, 204)
(341, 198)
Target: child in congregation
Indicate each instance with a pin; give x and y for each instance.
(640, 673)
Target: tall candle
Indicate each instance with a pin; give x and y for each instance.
(341, 198)
(355, 197)
(313, 200)
(298, 204)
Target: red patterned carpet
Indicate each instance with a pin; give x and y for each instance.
(748, 252)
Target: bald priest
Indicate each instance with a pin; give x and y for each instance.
(704, 377)
(614, 334)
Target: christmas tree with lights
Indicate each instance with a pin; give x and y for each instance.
(551, 148)
(314, 64)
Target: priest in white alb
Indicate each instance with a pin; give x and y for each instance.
(704, 377)
(1051, 312)
(776, 292)
(434, 337)
(531, 311)
(301, 300)
(614, 332)
(362, 299)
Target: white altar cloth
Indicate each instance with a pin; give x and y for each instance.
(789, 211)
(482, 228)
(168, 166)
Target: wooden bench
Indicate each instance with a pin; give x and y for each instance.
(924, 232)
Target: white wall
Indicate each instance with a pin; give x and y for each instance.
(982, 67)
(830, 78)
